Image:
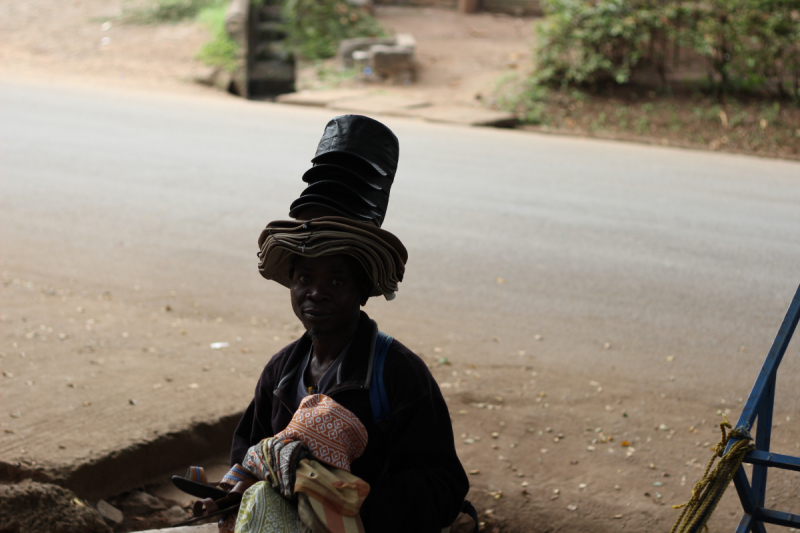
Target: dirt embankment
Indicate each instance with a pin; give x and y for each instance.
(545, 450)
(31, 506)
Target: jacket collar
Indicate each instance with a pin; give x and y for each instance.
(355, 371)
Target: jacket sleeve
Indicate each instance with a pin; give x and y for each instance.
(424, 484)
(256, 423)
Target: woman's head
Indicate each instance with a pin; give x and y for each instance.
(327, 292)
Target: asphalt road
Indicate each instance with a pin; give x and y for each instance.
(619, 255)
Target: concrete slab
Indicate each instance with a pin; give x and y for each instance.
(472, 116)
(205, 528)
(320, 98)
(394, 103)
(380, 104)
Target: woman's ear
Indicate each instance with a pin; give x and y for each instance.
(366, 289)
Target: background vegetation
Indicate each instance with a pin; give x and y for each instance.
(718, 74)
(221, 50)
(750, 46)
(315, 27)
(167, 11)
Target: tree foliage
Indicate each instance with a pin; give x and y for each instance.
(749, 45)
(315, 27)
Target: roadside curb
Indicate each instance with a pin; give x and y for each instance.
(379, 102)
(139, 464)
(205, 528)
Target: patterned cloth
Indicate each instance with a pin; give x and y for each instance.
(258, 461)
(263, 510)
(285, 456)
(296, 492)
(272, 462)
(235, 475)
(227, 525)
(333, 435)
(340, 493)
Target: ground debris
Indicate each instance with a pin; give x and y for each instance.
(174, 515)
(140, 503)
(109, 512)
(33, 507)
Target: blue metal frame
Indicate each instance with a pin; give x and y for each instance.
(759, 406)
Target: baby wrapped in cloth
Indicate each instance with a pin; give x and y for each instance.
(301, 476)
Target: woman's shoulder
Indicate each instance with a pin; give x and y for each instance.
(404, 366)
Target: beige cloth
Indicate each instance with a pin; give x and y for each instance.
(380, 253)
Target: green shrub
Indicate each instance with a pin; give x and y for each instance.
(315, 27)
(751, 45)
(524, 97)
(584, 43)
(221, 51)
(161, 11)
(762, 42)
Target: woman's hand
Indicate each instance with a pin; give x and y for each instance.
(207, 506)
(204, 507)
(242, 486)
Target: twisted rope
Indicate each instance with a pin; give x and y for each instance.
(709, 490)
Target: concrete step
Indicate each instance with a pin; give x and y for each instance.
(380, 104)
(320, 98)
(467, 115)
(372, 102)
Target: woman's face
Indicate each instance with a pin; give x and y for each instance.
(327, 293)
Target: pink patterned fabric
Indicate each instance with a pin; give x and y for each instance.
(334, 435)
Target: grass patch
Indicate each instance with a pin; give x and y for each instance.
(221, 51)
(167, 11)
(687, 119)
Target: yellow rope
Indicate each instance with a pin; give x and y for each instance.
(709, 490)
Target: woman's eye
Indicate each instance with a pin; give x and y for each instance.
(338, 282)
(304, 278)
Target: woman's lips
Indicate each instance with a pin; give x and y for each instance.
(316, 313)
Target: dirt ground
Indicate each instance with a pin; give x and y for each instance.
(459, 57)
(686, 119)
(545, 453)
(59, 510)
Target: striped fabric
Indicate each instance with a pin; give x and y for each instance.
(338, 493)
(236, 474)
(196, 473)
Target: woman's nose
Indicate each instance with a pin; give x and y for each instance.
(316, 292)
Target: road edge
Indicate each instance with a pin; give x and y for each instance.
(133, 466)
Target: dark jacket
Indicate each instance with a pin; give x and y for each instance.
(416, 481)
